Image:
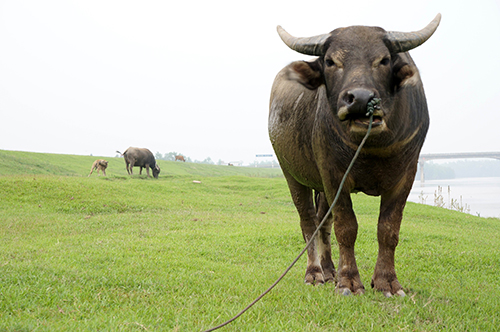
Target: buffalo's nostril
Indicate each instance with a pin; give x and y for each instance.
(349, 99)
(356, 100)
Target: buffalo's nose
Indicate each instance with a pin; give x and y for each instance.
(357, 100)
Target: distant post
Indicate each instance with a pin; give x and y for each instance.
(422, 177)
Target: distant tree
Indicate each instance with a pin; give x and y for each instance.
(265, 163)
(461, 169)
(433, 171)
(475, 168)
(208, 160)
(170, 156)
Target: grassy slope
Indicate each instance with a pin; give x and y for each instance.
(17, 163)
(136, 254)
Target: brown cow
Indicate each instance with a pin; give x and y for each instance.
(100, 165)
(180, 158)
(317, 119)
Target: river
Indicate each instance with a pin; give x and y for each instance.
(481, 195)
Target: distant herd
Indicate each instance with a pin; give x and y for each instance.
(134, 157)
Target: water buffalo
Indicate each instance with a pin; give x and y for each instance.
(318, 118)
(142, 158)
(100, 165)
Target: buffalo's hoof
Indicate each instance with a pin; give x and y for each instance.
(343, 291)
(359, 291)
(314, 277)
(388, 287)
(400, 293)
(314, 282)
(347, 291)
(329, 277)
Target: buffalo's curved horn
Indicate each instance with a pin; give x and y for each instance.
(305, 45)
(405, 41)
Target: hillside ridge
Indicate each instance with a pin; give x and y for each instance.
(35, 163)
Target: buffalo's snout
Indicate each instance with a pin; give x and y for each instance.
(356, 100)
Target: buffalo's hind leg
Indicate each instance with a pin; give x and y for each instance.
(303, 199)
(128, 166)
(324, 244)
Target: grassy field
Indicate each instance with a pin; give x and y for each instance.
(134, 254)
(23, 163)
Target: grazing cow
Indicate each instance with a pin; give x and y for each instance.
(142, 158)
(100, 165)
(317, 120)
(180, 158)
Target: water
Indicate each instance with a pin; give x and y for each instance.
(482, 195)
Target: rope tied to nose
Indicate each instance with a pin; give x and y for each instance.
(372, 105)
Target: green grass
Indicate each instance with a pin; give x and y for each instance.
(22, 163)
(136, 254)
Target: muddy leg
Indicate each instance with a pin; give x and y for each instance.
(130, 167)
(324, 245)
(346, 231)
(391, 213)
(303, 199)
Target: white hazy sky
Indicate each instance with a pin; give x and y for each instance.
(95, 76)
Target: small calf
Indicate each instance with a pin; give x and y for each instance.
(100, 165)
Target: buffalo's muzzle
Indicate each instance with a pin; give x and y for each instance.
(354, 104)
(357, 100)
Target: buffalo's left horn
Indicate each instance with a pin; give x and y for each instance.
(405, 41)
(305, 45)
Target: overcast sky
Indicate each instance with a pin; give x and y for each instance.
(91, 77)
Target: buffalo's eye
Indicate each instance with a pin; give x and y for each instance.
(329, 63)
(385, 61)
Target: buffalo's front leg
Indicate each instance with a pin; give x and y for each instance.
(391, 213)
(303, 200)
(346, 231)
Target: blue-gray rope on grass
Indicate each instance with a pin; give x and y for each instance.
(372, 105)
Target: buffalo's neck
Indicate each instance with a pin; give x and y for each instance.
(376, 170)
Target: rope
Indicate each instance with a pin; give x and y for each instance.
(372, 105)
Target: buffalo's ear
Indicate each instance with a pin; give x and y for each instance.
(306, 73)
(405, 74)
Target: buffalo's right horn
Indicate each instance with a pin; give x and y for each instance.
(405, 41)
(305, 45)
